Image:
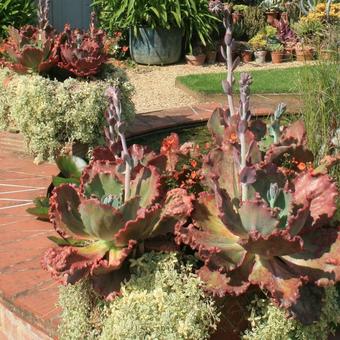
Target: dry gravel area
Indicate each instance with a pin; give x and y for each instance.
(155, 85)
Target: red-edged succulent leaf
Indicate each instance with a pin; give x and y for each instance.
(322, 193)
(216, 125)
(320, 258)
(158, 220)
(278, 243)
(275, 275)
(256, 216)
(220, 164)
(146, 184)
(100, 221)
(64, 213)
(101, 178)
(293, 141)
(65, 264)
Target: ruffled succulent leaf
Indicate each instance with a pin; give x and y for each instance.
(100, 221)
(220, 163)
(216, 125)
(146, 184)
(255, 216)
(275, 275)
(293, 141)
(322, 193)
(278, 243)
(64, 212)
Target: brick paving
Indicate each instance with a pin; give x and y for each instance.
(25, 289)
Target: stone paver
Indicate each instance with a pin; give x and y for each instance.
(25, 289)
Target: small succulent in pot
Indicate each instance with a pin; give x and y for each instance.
(82, 54)
(118, 212)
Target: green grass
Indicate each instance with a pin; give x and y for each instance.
(264, 81)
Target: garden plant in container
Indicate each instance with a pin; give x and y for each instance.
(276, 52)
(44, 78)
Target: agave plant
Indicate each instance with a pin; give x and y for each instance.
(260, 224)
(82, 54)
(118, 212)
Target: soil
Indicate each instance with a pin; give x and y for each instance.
(155, 85)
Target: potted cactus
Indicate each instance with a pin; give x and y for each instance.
(276, 52)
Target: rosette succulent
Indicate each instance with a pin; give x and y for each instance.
(118, 212)
(29, 49)
(82, 54)
(261, 225)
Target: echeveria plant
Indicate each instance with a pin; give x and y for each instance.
(118, 212)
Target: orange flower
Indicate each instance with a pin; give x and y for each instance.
(301, 166)
(193, 163)
(125, 48)
(233, 137)
(193, 174)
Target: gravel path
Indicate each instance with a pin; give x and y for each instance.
(155, 85)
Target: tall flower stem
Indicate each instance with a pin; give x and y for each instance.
(245, 83)
(117, 127)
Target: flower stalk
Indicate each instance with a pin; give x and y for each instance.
(117, 128)
(245, 114)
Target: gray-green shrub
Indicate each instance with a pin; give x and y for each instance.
(162, 300)
(50, 113)
(269, 322)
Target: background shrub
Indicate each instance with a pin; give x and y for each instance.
(16, 13)
(191, 16)
(50, 113)
(320, 89)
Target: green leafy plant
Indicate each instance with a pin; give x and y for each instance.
(258, 42)
(271, 5)
(253, 21)
(275, 47)
(70, 171)
(190, 16)
(318, 86)
(240, 8)
(16, 13)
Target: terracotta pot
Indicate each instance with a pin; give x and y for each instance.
(271, 16)
(211, 57)
(277, 57)
(247, 56)
(327, 54)
(236, 17)
(195, 60)
(260, 56)
(304, 54)
(288, 54)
